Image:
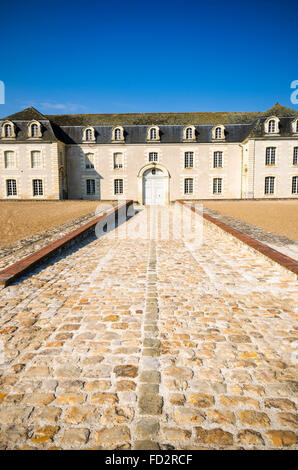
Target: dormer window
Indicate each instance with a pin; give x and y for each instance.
(153, 133)
(8, 130)
(295, 126)
(218, 133)
(272, 125)
(118, 134)
(34, 130)
(88, 134)
(189, 133)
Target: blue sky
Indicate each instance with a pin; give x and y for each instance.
(155, 56)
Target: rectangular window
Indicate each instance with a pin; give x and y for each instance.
(270, 156)
(35, 159)
(295, 185)
(89, 157)
(37, 188)
(295, 156)
(11, 187)
(9, 160)
(153, 157)
(118, 186)
(217, 160)
(188, 186)
(188, 160)
(217, 185)
(269, 185)
(118, 160)
(90, 187)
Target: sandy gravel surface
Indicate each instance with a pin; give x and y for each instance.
(279, 217)
(19, 219)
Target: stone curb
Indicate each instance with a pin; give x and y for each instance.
(17, 269)
(285, 261)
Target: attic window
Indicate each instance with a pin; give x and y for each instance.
(34, 130)
(153, 133)
(88, 134)
(117, 134)
(7, 130)
(189, 133)
(218, 133)
(271, 125)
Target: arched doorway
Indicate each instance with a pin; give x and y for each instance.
(154, 187)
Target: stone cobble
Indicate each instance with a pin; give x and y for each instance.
(150, 343)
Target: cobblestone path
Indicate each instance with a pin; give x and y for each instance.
(150, 343)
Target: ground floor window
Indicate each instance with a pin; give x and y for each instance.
(153, 157)
(90, 187)
(295, 185)
(269, 184)
(118, 186)
(37, 188)
(217, 185)
(11, 187)
(188, 186)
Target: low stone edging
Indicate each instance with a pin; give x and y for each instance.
(17, 269)
(282, 260)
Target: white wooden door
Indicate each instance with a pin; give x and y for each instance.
(154, 188)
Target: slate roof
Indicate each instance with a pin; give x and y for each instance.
(69, 128)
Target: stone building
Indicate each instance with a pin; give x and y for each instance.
(151, 158)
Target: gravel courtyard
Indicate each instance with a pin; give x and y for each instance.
(150, 343)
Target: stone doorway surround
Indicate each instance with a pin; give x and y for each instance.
(140, 176)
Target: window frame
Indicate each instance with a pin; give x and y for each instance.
(37, 184)
(13, 189)
(217, 159)
(118, 166)
(189, 159)
(89, 165)
(40, 165)
(270, 156)
(269, 186)
(90, 187)
(153, 155)
(217, 185)
(295, 184)
(118, 186)
(295, 156)
(188, 186)
(13, 159)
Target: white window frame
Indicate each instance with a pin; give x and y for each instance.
(217, 185)
(11, 186)
(270, 156)
(153, 157)
(188, 159)
(269, 187)
(89, 161)
(37, 184)
(39, 159)
(295, 184)
(188, 185)
(295, 156)
(118, 186)
(118, 155)
(217, 159)
(9, 163)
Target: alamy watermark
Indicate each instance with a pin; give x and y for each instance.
(2, 92)
(294, 94)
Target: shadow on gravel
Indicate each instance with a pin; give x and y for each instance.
(107, 227)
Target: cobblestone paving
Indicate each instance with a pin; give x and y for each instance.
(150, 343)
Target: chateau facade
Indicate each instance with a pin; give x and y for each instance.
(150, 158)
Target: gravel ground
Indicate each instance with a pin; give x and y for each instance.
(21, 219)
(280, 217)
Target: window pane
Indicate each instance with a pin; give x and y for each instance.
(90, 186)
(35, 159)
(270, 156)
(89, 160)
(217, 160)
(188, 186)
(295, 185)
(9, 159)
(37, 188)
(11, 187)
(118, 186)
(295, 156)
(217, 185)
(269, 185)
(153, 157)
(188, 160)
(118, 160)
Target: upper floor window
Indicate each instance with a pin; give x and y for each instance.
(269, 185)
(270, 156)
(11, 187)
(295, 156)
(36, 159)
(90, 187)
(37, 188)
(8, 130)
(189, 133)
(153, 133)
(153, 157)
(118, 186)
(188, 186)
(188, 160)
(272, 125)
(295, 126)
(295, 185)
(118, 160)
(218, 133)
(217, 160)
(118, 134)
(217, 185)
(9, 159)
(34, 130)
(89, 134)
(89, 161)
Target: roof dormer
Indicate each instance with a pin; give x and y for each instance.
(88, 134)
(295, 126)
(218, 132)
(153, 134)
(8, 130)
(34, 130)
(189, 133)
(118, 134)
(271, 125)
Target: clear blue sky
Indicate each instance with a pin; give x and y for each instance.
(155, 56)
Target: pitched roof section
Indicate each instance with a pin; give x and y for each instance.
(27, 114)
